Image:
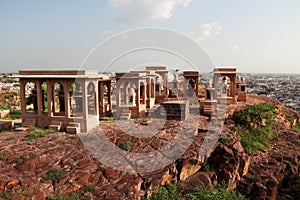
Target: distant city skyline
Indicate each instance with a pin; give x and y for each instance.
(254, 36)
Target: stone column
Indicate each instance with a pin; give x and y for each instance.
(50, 97)
(101, 96)
(67, 86)
(232, 87)
(39, 97)
(165, 78)
(23, 96)
(148, 93)
(118, 93)
(197, 87)
(138, 94)
(96, 98)
(144, 92)
(109, 90)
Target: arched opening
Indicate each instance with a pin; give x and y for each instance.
(75, 99)
(106, 93)
(223, 88)
(132, 94)
(44, 96)
(121, 94)
(158, 85)
(91, 98)
(31, 97)
(191, 84)
(59, 99)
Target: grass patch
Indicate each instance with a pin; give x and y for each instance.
(275, 154)
(75, 196)
(37, 133)
(257, 139)
(224, 139)
(2, 153)
(17, 125)
(15, 114)
(218, 193)
(201, 192)
(126, 146)
(166, 192)
(206, 168)
(106, 118)
(33, 128)
(53, 175)
(297, 128)
(255, 126)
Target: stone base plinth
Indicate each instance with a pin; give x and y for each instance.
(209, 107)
(225, 100)
(178, 110)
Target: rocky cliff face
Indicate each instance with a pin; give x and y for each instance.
(58, 164)
(274, 172)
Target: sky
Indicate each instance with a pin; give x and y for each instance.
(119, 35)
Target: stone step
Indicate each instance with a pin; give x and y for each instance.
(21, 129)
(74, 124)
(72, 130)
(55, 127)
(125, 116)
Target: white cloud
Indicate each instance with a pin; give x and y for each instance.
(205, 31)
(135, 11)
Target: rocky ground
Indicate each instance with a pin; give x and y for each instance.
(59, 163)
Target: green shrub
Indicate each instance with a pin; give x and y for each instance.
(2, 153)
(38, 133)
(253, 115)
(206, 168)
(75, 196)
(53, 174)
(15, 114)
(257, 139)
(224, 139)
(17, 125)
(126, 146)
(297, 127)
(255, 126)
(88, 188)
(166, 192)
(33, 128)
